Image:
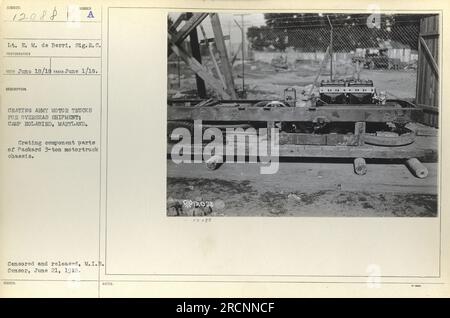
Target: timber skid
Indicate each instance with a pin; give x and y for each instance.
(411, 146)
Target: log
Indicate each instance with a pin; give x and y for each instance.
(214, 162)
(418, 169)
(359, 164)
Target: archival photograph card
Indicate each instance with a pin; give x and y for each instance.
(223, 149)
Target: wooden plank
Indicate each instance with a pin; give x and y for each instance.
(302, 139)
(212, 40)
(225, 62)
(332, 139)
(419, 80)
(428, 108)
(425, 154)
(199, 69)
(430, 56)
(429, 34)
(332, 114)
(427, 88)
(422, 130)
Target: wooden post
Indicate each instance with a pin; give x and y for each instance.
(359, 164)
(418, 169)
(233, 59)
(225, 62)
(270, 125)
(195, 49)
(211, 53)
(319, 71)
(358, 70)
(331, 49)
(360, 130)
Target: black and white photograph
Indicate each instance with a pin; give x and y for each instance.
(303, 114)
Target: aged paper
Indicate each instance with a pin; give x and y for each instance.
(105, 193)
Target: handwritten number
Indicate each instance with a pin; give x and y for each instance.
(54, 13)
(23, 16)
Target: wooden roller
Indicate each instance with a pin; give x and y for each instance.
(418, 169)
(359, 164)
(214, 162)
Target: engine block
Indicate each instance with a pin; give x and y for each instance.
(347, 92)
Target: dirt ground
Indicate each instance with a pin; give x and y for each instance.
(305, 189)
(264, 81)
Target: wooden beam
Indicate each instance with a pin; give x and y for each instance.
(429, 34)
(225, 62)
(177, 22)
(429, 56)
(195, 49)
(303, 139)
(352, 113)
(425, 154)
(428, 108)
(213, 58)
(360, 131)
(198, 68)
(190, 25)
(212, 40)
(332, 139)
(179, 36)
